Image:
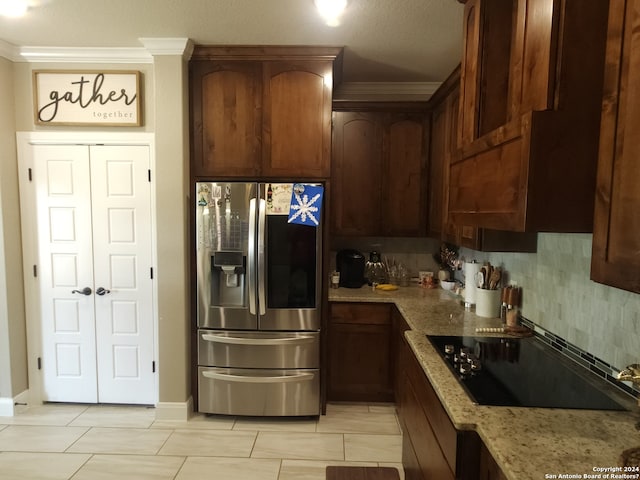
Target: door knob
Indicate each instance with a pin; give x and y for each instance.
(101, 291)
(84, 291)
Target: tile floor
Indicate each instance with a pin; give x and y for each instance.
(100, 442)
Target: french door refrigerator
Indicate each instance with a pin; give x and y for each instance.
(258, 301)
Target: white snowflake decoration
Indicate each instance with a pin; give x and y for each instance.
(305, 208)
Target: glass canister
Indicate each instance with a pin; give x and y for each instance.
(374, 270)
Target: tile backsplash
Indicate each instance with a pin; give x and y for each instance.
(559, 296)
(414, 253)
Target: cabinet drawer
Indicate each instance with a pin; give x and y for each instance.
(362, 313)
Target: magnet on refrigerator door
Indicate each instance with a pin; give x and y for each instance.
(306, 203)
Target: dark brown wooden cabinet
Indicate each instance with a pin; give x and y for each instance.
(444, 109)
(616, 236)
(261, 111)
(356, 173)
(531, 77)
(432, 446)
(442, 146)
(359, 353)
(489, 469)
(378, 171)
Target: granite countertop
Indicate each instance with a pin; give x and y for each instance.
(527, 443)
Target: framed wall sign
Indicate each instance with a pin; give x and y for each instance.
(94, 97)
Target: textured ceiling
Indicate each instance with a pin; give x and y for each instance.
(384, 40)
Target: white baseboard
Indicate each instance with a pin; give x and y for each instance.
(10, 406)
(174, 411)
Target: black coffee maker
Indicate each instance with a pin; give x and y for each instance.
(350, 264)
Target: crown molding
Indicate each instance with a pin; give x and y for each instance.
(84, 55)
(168, 46)
(390, 91)
(9, 51)
(151, 47)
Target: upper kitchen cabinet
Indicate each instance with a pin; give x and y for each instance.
(262, 111)
(442, 146)
(616, 235)
(531, 80)
(444, 107)
(378, 172)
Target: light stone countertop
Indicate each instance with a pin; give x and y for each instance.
(527, 443)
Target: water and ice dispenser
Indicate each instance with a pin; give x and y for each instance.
(228, 274)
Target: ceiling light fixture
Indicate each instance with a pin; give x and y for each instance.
(13, 8)
(331, 10)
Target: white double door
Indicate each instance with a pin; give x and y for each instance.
(94, 273)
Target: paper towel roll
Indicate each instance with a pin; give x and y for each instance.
(470, 271)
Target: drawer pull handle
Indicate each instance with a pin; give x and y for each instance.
(301, 377)
(256, 341)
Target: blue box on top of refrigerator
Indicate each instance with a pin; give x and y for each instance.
(258, 302)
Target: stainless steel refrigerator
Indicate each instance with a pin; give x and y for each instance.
(258, 301)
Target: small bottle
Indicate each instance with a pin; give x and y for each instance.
(269, 196)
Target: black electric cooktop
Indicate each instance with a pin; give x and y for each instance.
(522, 372)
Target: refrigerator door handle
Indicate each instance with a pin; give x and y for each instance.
(247, 379)
(261, 257)
(256, 341)
(251, 267)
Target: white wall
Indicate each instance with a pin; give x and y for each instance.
(13, 354)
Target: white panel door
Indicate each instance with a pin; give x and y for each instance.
(121, 207)
(94, 229)
(61, 177)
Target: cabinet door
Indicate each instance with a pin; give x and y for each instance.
(398, 327)
(404, 193)
(226, 118)
(491, 64)
(616, 239)
(356, 176)
(418, 431)
(437, 158)
(489, 469)
(359, 353)
(297, 119)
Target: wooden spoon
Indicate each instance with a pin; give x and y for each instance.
(495, 277)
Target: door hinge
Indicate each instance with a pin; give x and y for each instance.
(153, 367)
(30, 175)
(35, 270)
(151, 273)
(39, 363)
(149, 174)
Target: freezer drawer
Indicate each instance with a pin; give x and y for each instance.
(258, 392)
(258, 349)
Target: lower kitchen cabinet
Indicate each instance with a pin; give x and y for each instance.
(489, 469)
(359, 353)
(432, 448)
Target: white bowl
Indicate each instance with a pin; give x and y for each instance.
(447, 285)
